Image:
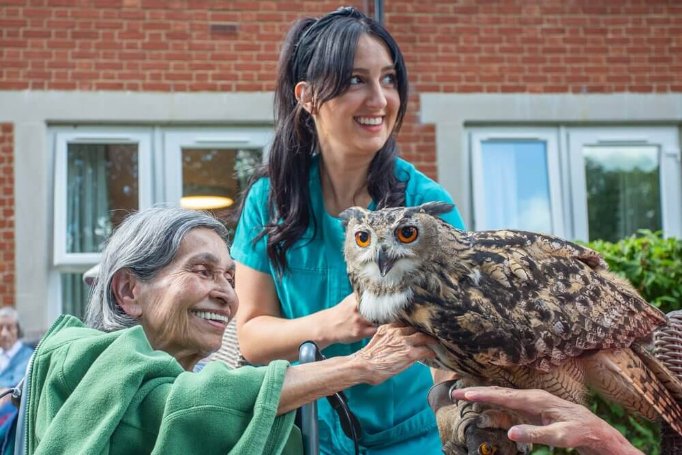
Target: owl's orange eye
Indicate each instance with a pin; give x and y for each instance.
(407, 234)
(487, 449)
(362, 239)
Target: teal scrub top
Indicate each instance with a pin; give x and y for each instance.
(394, 415)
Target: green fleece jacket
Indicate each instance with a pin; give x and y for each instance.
(95, 392)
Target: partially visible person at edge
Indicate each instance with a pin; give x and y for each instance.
(14, 357)
(14, 354)
(340, 98)
(162, 299)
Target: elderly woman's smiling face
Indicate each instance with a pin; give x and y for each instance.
(185, 308)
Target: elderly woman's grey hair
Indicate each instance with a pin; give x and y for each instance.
(10, 312)
(144, 243)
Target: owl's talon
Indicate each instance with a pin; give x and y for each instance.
(497, 418)
(459, 428)
(487, 449)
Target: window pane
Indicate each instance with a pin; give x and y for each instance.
(75, 294)
(623, 190)
(213, 179)
(516, 185)
(102, 189)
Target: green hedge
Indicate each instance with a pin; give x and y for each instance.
(653, 265)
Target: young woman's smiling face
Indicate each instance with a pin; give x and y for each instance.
(360, 121)
(185, 308)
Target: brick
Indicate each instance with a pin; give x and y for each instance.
(63, 85)
(177, 35)
(155, 45)
(39, 13)
(130, 35)
(12, 24)
(17, 43)
(156, 86)
(61, 44)
(105, 85)
(83, 35)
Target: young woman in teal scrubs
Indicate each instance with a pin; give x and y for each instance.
(341, 96)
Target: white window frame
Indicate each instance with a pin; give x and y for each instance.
(159, 167)
(478, 135)
(159, 175)
(665, 138)
(63, 136)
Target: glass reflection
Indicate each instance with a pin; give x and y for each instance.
(516, 185)
(213, 179)
(623, 190)
(102, 190)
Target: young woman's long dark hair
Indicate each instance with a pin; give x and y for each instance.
(320, 52)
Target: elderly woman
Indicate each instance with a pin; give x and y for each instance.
(162, 299)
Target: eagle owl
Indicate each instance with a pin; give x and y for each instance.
(510, 308)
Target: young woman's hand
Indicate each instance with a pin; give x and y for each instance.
(346, 324)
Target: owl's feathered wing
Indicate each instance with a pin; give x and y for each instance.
(534, 300)
(520, 309)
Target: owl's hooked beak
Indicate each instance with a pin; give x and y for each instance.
(384, 262)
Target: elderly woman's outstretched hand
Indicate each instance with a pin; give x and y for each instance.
(553, 421)
(393, 348)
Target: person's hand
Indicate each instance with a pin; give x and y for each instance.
(348, 325)
(553, 421)
(392, 349)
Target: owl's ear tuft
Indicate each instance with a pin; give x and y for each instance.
(351, 213)
(432, 208)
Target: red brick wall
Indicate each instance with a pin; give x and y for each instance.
(544, 46)
(536, 46)
(153, 45)
(7, 211)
